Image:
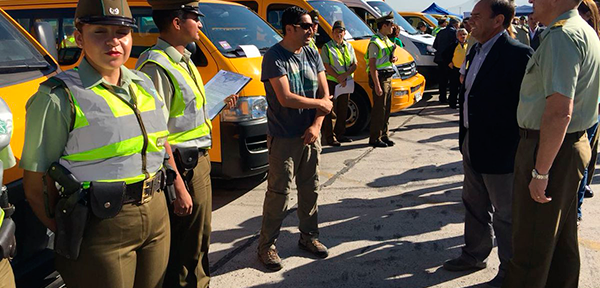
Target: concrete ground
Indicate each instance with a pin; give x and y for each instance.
(390, 216)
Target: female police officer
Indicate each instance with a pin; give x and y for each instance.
(106, 125)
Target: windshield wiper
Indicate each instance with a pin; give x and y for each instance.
(362, 37)
(24, 67)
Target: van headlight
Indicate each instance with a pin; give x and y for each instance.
(247, 108)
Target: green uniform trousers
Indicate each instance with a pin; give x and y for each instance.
(289, 158)
(340, 110)
(7, 279)
(545, 247)
(190, 235)
(129, 250)
(380, 114)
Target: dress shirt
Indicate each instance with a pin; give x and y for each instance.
(481, 52)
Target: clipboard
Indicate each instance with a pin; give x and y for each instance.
(223, 84)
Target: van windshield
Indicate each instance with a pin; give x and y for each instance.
(17, 54)
(333, 11)
(433, 20)
(385, 9)
(235, 29)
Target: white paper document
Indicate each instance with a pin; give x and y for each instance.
(348, 89)
(224, 83)
(251, 51)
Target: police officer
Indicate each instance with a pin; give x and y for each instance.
(380, 58)
(559, 99)
(106, 125)
(314, 15)
(7, 226)
(176, 77)
(339, 60)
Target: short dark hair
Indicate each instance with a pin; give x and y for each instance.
(503, 7)
(164, 18)
(291, 16)
(380, 24)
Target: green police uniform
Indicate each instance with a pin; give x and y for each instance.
(545, 244)
(340, 57)
(106, 133)
(7, 160)
(381, 49)
(178, 80)
(314, 15)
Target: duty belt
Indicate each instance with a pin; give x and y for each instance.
(143, 191)
(535, 134)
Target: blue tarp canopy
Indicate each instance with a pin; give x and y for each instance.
(524, 10)
(436, 9)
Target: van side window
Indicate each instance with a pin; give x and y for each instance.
(24, 22)
(250, 4)
(274, 13)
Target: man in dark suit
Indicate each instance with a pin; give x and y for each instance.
(489, 135)
(534, 32)
(444, 40)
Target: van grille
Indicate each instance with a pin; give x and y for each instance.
(407, 70)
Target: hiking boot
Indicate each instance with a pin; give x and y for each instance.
(314, 246)
(270, 259)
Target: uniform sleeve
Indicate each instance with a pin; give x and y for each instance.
(7, 157)
(560, 63)
(324, 55)
(373, 51)
(352, 54)
(47, 125)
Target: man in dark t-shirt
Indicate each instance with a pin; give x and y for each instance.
(299, 99)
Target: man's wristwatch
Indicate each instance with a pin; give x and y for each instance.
(536, 175)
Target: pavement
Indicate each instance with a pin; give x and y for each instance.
(390, 216)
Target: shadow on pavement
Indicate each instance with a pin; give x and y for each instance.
(230, 189)
(419, 174)
(388, 255)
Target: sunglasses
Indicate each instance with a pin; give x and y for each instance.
(305, 26)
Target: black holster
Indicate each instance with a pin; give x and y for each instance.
(106, 198)
(8, 242)
(186, 160)
(170, 175)
(71, 216)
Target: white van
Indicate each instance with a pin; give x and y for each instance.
(420, 46)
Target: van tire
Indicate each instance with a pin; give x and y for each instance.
(359, 111)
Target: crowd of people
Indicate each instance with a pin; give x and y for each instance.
(527, 129)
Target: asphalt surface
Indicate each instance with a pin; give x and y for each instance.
(390, 216)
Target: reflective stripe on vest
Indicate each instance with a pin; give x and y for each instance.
(189, 125)
(313, 44)
(107, 141)
(340, 62)
(383, 57)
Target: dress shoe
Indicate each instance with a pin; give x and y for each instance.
(461, 264)
(344, 139)
(588, 192)
(379, 144)
(388, 142)
(334, 143)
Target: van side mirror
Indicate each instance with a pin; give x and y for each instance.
(43, 33)
(69, 56)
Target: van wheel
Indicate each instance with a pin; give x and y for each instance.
(359, 109)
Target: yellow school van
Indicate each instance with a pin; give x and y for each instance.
(407, 88)
(24, 64)
(233, 38)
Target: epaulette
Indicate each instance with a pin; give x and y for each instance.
(51, 84)
(559, 24)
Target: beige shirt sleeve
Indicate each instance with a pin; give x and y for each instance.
(373, 51)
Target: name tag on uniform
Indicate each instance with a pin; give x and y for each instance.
(160, 141)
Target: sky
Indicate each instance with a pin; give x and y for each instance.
(456, 6)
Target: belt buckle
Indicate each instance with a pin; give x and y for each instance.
(147, 190)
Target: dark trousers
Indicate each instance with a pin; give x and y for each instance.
(488, 212)
(454, 87)
(190, 235)
(380, 115)
(545, 248)
(589, 171)
(443, 77)
(340, 111)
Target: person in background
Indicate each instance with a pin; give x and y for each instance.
(458, 57)
(69, 39)
(394, 36)
(298, 98)
(558, 103)
(422, 27)
(521, 32)
(442, 23)
(339, 60)
(314, 15)
(534, 32)
(443, 41)
(589, 12)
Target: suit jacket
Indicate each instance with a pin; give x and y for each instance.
(535, 41)
(443, 40)
(492, 107)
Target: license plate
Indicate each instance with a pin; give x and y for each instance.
(418, 96)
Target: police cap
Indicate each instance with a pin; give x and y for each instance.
(339, 24)
(314, 15)
(186, 5)
(104, 12)
(386, 18)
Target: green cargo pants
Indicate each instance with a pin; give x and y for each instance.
(190, 235)
(130, 250)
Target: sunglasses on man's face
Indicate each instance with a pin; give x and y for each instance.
(305, 26)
